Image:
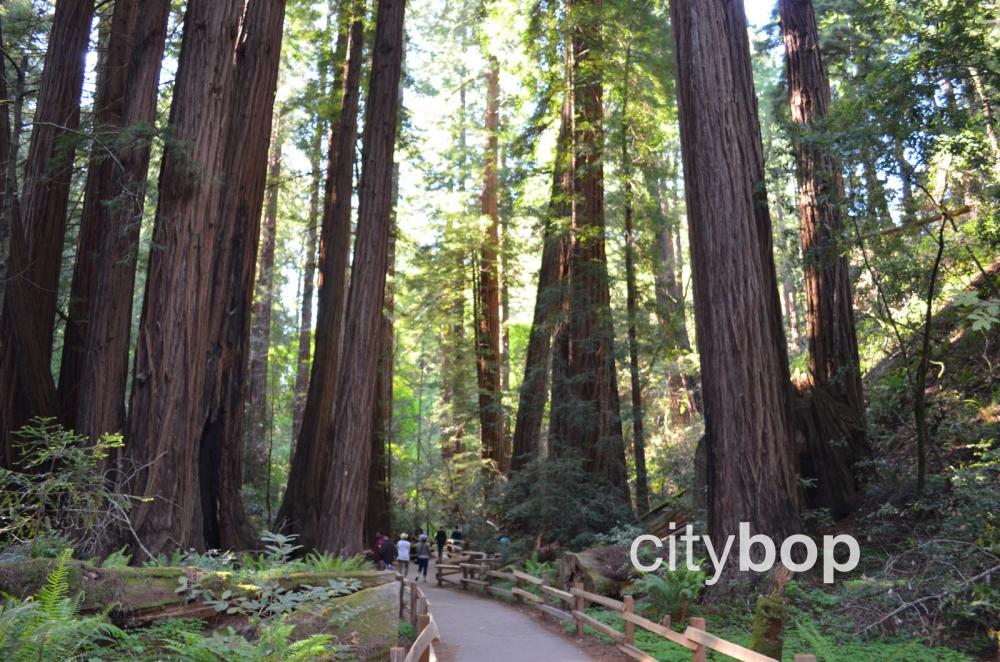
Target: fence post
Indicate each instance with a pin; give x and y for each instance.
(805, 657)
(578, 605)
(665, 621)
(402, 593)
(701, 653)
(397, 654)
(422, 624)
(465, 575)
(414, 595)
(627, 608)
(518, 583)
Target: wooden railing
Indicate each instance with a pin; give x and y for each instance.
(481, 570)
(415, 608)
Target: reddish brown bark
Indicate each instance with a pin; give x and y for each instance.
(256, 65)
(308, 486)
(548, 303)
(94, 369)
(836, 434)
(379, 513)
(491, 414)
(37, 235)
(343, 521)
(594, 426)
(185, 424)
(745, 381)
(258, 416)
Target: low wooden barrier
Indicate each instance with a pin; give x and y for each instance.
(415, 608)
(571, 605)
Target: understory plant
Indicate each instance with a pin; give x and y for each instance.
(671, 592)
(49, 626)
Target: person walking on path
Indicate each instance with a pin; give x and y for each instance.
(387, 552)
(441, 538)
(403, 554)
(423, 557)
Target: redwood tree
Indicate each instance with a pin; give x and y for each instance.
(593, 422)
(94, 370)
(835, 429)
(187, 400)
(343, 520)
(548, 300)
(491, 414)
(36, 236)
(745, 380)
(301, 508)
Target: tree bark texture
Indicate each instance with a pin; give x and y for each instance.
(94, 371)
(548, 303)
(308, 485)
(836, 438)
(491, 414)
(379, 513)
(185, 423)
(37, 234)
(348, 469)
(745, 379)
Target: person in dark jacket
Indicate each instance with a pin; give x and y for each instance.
(387, 552)
(440, 538)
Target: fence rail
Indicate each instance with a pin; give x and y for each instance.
(482, 570)
(415, 608)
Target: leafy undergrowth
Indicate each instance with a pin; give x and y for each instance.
(259, 622)
(803, 635)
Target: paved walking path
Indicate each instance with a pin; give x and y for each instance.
(477, 628)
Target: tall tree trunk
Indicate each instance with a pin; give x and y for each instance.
(94, 371)
(595, 428)
(343, 521)
(185, 423)
(548, 303)
(258, 416)
(836, 431)
(379, 513)
(988, 120)
(632, 308)
(37, 235)
(745, 379)
(257, 62)
(307, 491)
(308, 282)
(488, 292)
(49, 168)
(5, 191)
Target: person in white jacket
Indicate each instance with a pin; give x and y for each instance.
(403, 554)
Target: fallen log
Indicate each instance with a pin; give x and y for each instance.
(139, 596)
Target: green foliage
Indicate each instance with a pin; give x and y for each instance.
(560, 498)
(273, 643)
(670, 592)
(149, 644)
(323, 562)
(267, 599)
(49, 626)
(543, 569)
(60, 489)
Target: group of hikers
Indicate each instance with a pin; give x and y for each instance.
(397, 555)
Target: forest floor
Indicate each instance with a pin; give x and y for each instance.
(476, 628)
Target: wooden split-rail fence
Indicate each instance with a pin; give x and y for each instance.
(415, 608)
(480, 570)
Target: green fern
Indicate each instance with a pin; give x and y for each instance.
(323, 562)
(48, 626)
